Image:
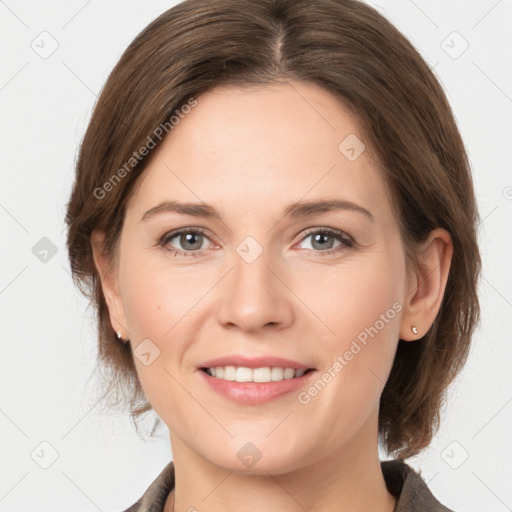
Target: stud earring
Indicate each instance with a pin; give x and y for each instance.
(119, 335)
(414, 330)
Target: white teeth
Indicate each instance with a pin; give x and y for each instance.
(243, 374)
(261, 375)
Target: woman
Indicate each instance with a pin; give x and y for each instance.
(231, 141)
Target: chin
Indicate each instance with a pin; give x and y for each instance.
(250, 458)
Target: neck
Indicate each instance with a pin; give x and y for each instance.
(346, 480)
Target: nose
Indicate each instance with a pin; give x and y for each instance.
(255, 295)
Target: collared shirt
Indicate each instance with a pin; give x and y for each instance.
(402, 481)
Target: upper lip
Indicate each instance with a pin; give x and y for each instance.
(254, 362)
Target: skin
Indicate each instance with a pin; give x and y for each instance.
(250, 153)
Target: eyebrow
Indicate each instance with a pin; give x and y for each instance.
(295, 210)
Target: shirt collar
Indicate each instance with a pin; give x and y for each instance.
(402, 481)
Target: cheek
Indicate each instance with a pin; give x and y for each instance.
(370, 307)
(156, 295)
(341, 300)
(157, 309)
(362, 310)
(143, 306)
(364, 313)
(362, 292)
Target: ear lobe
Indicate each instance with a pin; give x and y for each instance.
(427, 293)
(109, 282)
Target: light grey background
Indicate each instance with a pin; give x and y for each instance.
(48, 346)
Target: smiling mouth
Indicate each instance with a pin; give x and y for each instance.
(263, 374)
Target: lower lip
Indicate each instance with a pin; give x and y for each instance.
(255, 393)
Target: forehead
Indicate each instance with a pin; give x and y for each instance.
(281, 115)
(246, 146)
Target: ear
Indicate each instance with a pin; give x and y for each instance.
(426, 287)
(109, 285)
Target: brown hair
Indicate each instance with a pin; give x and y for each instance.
(353, 52)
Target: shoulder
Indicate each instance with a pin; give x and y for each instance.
(155, 496)
(410, 489)
(413, 494)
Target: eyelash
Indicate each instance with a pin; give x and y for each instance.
(347, 241)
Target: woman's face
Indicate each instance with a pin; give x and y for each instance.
(263, 278)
